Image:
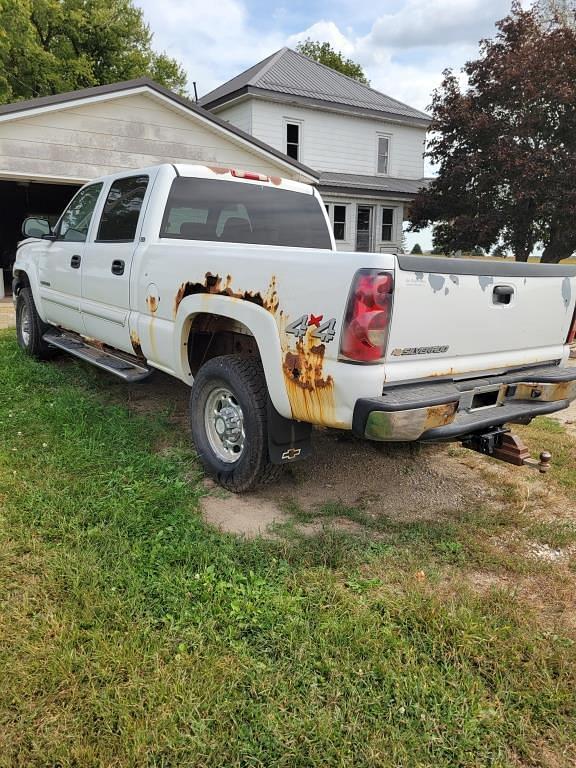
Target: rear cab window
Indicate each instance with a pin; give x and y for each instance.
(236, 212)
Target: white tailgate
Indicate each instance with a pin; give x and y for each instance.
(449, 323)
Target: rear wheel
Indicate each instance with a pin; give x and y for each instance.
(30, 328)
(228, 419)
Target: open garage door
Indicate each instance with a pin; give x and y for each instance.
(19, 199)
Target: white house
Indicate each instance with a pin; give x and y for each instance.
(367, 147)
(49, 146)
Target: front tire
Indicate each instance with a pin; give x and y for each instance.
(30, 328)
(228, 419)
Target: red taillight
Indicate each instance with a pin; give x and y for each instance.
(572, 332)
(367, 317)
(249, 175)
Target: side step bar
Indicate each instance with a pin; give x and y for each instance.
(128, 368)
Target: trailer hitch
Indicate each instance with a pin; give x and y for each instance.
(501, 443)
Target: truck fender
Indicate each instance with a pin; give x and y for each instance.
(25, 274)
(259, 322)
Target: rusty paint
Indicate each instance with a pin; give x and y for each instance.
(135, 341)
(439, 416)
(153, 338)
(311, 394)
(214, 284)
(548, 392)
(152, 302)
(218, 169)
(276, 180)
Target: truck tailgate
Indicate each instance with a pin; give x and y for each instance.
(452, 317)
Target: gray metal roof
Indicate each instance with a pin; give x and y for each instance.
(128, 85)
(293, 75)
(377, 185)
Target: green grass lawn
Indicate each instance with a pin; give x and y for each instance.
(131, 634)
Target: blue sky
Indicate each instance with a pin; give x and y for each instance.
(403, 45)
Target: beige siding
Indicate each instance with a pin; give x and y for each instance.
(132, 131)
(339, 143)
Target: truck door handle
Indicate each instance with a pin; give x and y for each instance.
(502, 294)
(118, 267)
(75, 261)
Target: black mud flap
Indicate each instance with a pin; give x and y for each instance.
(288, 440)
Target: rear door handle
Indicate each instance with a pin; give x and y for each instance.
(118, 267)
(75, 261)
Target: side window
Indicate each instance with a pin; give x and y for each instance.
(339, 222)
(383, 154)
(293, 140)
(387, 222)
(122, 209)
(76, 218)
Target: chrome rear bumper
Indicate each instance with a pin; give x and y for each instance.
(451, 410)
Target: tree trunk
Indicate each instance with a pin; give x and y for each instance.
(560, 245)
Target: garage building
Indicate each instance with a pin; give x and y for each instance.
(51, 145)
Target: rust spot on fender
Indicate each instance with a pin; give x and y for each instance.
(215, 284)
(311, 394)
(152, 303)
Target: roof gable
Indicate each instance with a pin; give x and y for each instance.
(61, 101)
(289, 73)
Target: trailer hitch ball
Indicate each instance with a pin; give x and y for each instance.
(502, 444)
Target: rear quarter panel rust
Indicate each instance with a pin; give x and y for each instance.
(287, 283)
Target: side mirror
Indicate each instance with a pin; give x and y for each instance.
(33, 227)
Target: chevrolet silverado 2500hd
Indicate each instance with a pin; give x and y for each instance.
(230, 281)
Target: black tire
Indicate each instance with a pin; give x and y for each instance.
(30, 328)
(243, 377)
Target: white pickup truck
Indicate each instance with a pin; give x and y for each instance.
(231, 282)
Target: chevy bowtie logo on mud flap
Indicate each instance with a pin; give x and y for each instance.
(420, 351)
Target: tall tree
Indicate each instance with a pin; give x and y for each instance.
(506, 144)
(325, 54)
(50, 46)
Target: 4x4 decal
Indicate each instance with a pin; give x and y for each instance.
(323, 331)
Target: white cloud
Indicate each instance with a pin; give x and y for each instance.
(213, 41)
(325, 31)
(421, 23)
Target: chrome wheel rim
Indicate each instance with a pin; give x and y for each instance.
(25, 324)
(224, 422)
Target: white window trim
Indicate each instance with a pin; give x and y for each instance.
(394, 210)
(300, 124)
(347, 206)
(389, 137)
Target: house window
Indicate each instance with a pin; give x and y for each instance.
(387, 222)
(293, 140)
(339, 222)
(383, 153)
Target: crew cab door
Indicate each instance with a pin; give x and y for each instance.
(60, 261)
(108, 260)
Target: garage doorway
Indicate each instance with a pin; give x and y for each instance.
(19, 199)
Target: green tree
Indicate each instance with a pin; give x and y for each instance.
(325, 54)
(416, 249)
(505, 143)
(51, 46)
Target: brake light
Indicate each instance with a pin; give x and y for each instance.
(572, 332)
(367, 318)
(249, 175)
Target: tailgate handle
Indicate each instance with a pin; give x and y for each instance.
(502, 294)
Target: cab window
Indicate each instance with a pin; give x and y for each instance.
(76, 218)
(122, 208)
